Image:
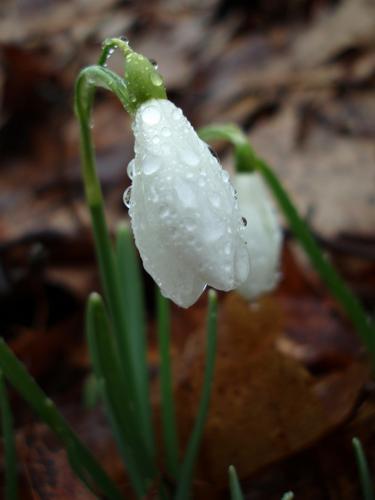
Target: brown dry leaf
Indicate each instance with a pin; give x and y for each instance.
(351, 23)
(265, 405)
(47, 468)
(322, 175)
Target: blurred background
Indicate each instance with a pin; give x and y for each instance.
(299, 76)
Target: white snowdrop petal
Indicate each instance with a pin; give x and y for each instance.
(262, 233)
(185, 217)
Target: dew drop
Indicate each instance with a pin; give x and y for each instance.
(154, 63)
(166, 132)
(225, 176)
(124, 39)
(156, 79)
(189, 157)
(151, 115)
(214, 232)
(164, 212)
(177, 114)
(190, 226)
(214, 200)
(130, 169)
(127, 196)
(185, 193)
(155, 140)
(150, 165)
(227, 249)
(201, 182)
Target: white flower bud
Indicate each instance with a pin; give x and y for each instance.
(183, 209)
(262, 233)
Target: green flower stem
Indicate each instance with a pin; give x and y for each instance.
(363, 470)
(133, 363)
(234, 485)
(247, 161)
(187, 467)
(82, 461)
(167, 404)
(10, 459)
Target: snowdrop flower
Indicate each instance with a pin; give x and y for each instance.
(183, 209)
(262, 233)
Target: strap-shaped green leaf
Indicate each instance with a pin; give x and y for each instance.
(10, 459)
(91, 472)
(234, 485)
(363, 470)
(120, 407)
(187, 467)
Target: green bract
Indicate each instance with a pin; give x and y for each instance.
(143, 81)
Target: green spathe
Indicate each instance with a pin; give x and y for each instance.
(143, 81)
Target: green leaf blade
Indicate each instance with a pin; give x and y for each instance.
(187, 467)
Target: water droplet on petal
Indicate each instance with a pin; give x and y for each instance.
(214, 200)
(189, 157)
(155, 140)
(190, 226)
(166, 132)
(151, 115)
(177, 114)
(225, 175)
(185, 193)
(150, 165)
(214, 232)
(127, 196)
(130, 169)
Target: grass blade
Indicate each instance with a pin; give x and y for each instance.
(234, 485)
(247, 161)
(10, 459)
(187, 467)
(94, 475)
(363, 470)
(166, 387)
(120, 410)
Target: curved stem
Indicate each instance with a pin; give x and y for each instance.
(247, 161)
(134, 365)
